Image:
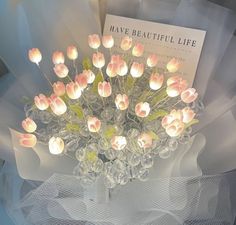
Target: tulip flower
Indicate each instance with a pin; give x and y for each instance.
(73, 90)
(57, 105)
(188, 114)
(61, 70)
(142, 109)
(189, 95)
(156, 80)
(173, 115)
(122, 102)
(175, 128)
(108, 41)
(35, 55)
(126, 43)
(137, 69)
(90, 76)
(145, 140)
(116, 59)
(152, 60)
(104, 89)
(94, 41)
(98, 60)
(81, 80)
(175, 86)
(173, 65)
(59, 88)
(41, 102)
(72, 52)
(56, 145)
(111, 70)
(122, 68)
(29, 125)
(94, 124)
(58, 57)
(27, 140)
(118, 142)
(138, 50)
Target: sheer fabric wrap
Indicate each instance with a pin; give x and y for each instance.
(184, 189)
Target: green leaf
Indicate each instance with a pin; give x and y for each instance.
(87, 65)
(153, 135)
(98, 79)
(78, 110)
(129, 83)
(155, 115)
(145, 95)
(159, 97)
(72, 127)
(109, 132)
(194, 121)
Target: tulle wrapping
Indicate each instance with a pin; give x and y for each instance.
(178, 192)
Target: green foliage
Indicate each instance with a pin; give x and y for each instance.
(98, 79)
(129, 83)
(159, 97)
(194, 121)
(155, 115)
(78, 110)
(87, 65)
(72, 127)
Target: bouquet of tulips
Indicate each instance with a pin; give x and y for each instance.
(114, 116)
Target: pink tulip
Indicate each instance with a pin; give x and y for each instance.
(57, 105)
(73, 90)
(94, 41)
(189, 95)
(175, 128)
(81, 80)
(122, 101)
(61, 70)
(41, 102)
(104, 89)
(152, 60)
(138, 50)
(118, 142)
(111, 70)
(27, 140)
(144, 140)
(188, 114)
(56, 145)
(29, 125)
(174, 115)
(108, 41)
(122, 69)
(137, 69)
(126, 43)
(156, 80)
(94, 124)
(90, 76)
(59, 88)
(116, 59)
(98, 60)
(35, 55)
(173, 65)
(142, 109)
(175, 86)
(72, 52)
(58, 57)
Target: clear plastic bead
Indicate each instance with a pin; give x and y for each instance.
(184, 139)
(72, 145)
(107, 168)
(133, 133)
(147, 161)
(98, 166)
(110, 154)
(172, 144)
(143, 174)
(88, 179)
(103, 144)
(165, 153)
(45, 117)
(119, 165)
(133, 159)
(109, 182)
(80, 154)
